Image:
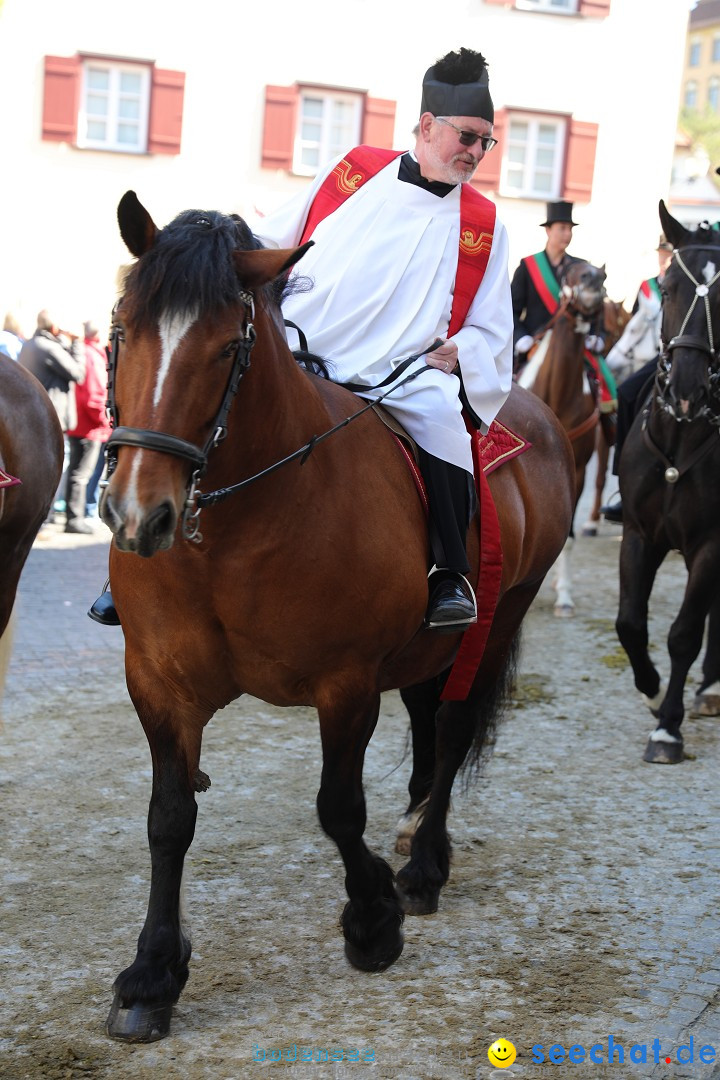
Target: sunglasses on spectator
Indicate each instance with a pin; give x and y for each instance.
(469, 138)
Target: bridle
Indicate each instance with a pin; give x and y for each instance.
(147, 439)
(705, 345)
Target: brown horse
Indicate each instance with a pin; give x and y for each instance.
(31, 451)
(307, 587)
(616, 318)
(557, 373)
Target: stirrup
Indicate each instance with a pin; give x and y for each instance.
(103, 611)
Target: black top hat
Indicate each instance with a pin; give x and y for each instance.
(559, 211)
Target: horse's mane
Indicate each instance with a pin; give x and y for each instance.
(188, 268)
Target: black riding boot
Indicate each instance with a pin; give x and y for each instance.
(451, 495)
(103, 611)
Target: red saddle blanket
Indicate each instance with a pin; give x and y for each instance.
(489, 452)
(6, 480)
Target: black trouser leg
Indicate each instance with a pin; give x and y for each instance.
(451, 495)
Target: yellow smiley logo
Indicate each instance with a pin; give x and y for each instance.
(501, 1054)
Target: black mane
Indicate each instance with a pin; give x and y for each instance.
(189, 267)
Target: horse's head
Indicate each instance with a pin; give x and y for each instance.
(688, 375)
(640, 340)
(583, 289)
(181, 341)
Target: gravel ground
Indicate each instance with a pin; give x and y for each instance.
(582, 902)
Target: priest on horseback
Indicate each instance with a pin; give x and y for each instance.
(409, 258)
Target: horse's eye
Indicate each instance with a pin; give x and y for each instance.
(229, 351)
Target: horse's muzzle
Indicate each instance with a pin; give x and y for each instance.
(140, 532)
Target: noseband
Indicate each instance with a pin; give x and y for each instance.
(146, 439)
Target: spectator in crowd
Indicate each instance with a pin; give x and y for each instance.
(90, 433)
(11, 338)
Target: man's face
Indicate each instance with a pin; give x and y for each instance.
(559, 235)
(441, 154)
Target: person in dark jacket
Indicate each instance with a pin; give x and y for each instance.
(57, 360)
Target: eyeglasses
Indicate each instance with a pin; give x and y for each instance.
(469, 138)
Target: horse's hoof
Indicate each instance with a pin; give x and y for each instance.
(564, 611)
(373, 961)
(663, 753)
(705, 705)
(139, 1023)
(418, 905)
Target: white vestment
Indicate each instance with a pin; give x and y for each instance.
(383, 269)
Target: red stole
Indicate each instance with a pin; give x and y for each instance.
(477, 221)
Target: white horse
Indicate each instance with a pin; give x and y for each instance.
(640, 340)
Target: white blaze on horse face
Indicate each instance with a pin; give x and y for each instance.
(709, 272)
(172, 329)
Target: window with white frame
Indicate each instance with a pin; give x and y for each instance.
(714, 94)
(563, 7)
(715, 54)
(691, 94)
(534, 151)
(694, 55)
(329, 122)
(114, 106)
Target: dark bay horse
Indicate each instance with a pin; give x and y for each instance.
(307, 586)
(557, 373)
(31, 451)
(670, 488)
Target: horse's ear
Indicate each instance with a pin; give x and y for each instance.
(137, 228)
(676, 233)
(255, 268)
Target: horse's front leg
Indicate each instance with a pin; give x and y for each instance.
(639, 563)
(372, 918)
(422, 702)
(665, 746)
(564, 606)
(146, 991)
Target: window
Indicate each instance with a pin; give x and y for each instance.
(714, 94)
(694, 57)
(100, 103)
(533, 157)
(691, 95)
(329, 123)
(306, 126)
(566, 7)
(716, 49)
(115, 107)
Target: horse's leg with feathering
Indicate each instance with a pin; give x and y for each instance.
(422, 702)
(685, 639)
(707, 698)
(372, 918)
(462, 728)
(146, 991)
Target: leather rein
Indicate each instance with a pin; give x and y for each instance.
(147, 439)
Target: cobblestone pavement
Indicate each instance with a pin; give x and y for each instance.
(583, 902)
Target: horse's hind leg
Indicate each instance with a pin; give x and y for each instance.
(707, 698)
(146, 991)
(372, 918)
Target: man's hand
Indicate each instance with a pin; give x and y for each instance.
(524, 343)
(445, 358)
(594, 342)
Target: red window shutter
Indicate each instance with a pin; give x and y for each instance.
(599, 8)
(378, 123)
(61, 98)
(487, 177)
(579, 161)
(166, 111)
(281, 108)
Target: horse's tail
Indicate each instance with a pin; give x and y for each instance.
(6, 641)
(490, 704)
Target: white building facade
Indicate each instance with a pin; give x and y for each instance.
(233, 107)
